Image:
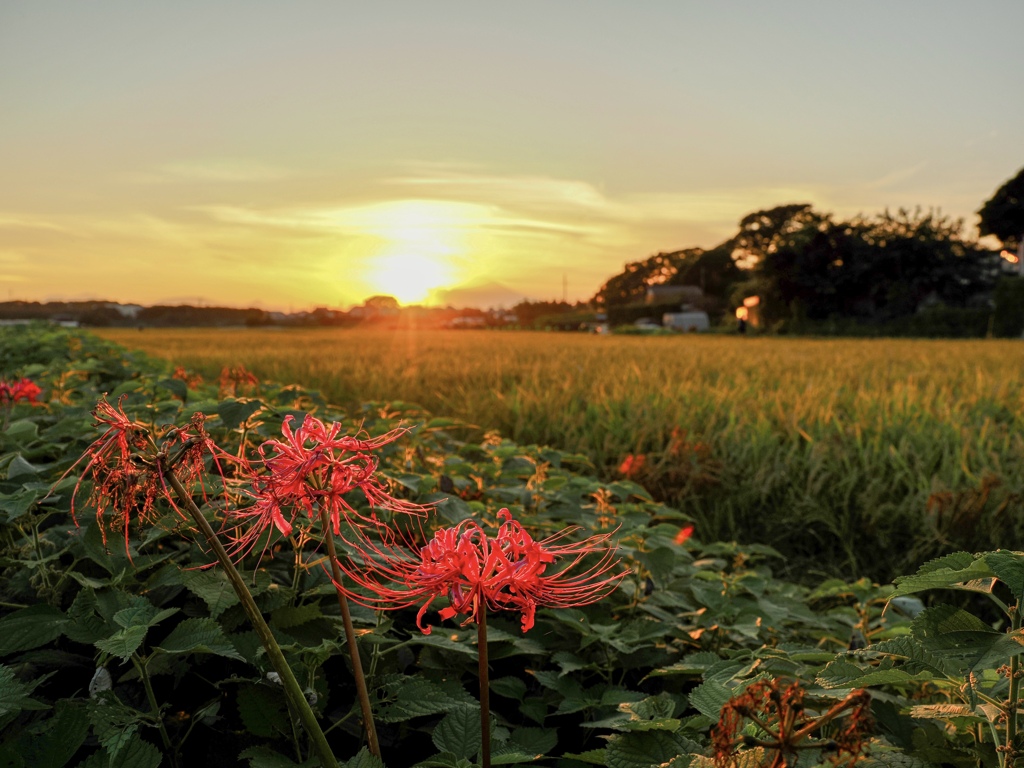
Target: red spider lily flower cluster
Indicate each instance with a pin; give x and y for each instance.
(192, 380)
(684, 533)
(13, 391)
(509, 571)
(237, 379)
(787, 723)
(632, 465)
(311, 469)
(122, 466)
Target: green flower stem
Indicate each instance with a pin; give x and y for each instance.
(485, 689)
(140, 667)
(1011, 704)
(291, 685)
(350, 638)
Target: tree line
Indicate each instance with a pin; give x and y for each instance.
(810, 268)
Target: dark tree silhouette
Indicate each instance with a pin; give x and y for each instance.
(1003, 214)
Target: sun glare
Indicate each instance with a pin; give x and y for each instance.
(409, 277)
(416, 246)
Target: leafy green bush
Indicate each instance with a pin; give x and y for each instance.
(136, 653)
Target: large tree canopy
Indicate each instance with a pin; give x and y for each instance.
(1003, 214)
(806, 265)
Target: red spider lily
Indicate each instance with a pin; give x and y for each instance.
(121, 482)
(509, 571)
(684, 533)
(232, 380)
(632, 465)
(192, 380)
(13, 391)
(313, 468)
(122, 466)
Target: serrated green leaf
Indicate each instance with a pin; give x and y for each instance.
(124, 643)
(262, 709)
(509, 687)
(939, 574)
(459, 733)
(30, 628)
(137, 754)
(418, 697)
(843, 674)
(199, 636)
(14, 694)
(643, 750)
(114, 724)
(213, 588)
(534, 741)
(67, 731)
(364, 759)
(709, 697)
(593, 756)
(264, 757)
(1008, 567)
(293, 616)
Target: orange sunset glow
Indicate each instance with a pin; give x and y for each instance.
(471, 155)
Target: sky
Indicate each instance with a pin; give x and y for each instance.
(303, 154)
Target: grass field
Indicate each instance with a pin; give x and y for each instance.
(855, 456)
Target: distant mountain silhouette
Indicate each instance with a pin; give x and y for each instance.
(489, 294)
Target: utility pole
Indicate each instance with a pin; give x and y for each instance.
(565, 288)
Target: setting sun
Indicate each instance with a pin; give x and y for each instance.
(409, 277)
(417, 246)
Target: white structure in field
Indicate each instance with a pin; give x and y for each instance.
(692, 320)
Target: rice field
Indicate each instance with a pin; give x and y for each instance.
(851, 456)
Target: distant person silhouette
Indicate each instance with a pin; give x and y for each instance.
(742, 328)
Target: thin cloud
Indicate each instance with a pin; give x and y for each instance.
(216, 170)
(895, 177)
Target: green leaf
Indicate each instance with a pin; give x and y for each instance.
(21, 431)
(294, 616)
(262, 710)
(30, 628)
(459, 733)
(124, 643)
(233, 412)
(842, 674)
(16, 504)
(364, 759)
(643, 750)
(593, 756)
(213, 588)
(199, 636)
(176, 387)
(114, 723)
(445, 760)
(137, 754)
(14, 694)
(950, 571)
(1008, 567)
(264, 757)
(534, 741)
(709, 697)
(66, 733)
(509, 687)
(20, 468)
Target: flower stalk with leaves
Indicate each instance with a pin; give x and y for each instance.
(311, 471)
(131, 466)
(510, 571)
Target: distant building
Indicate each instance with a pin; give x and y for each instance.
(687, 321)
